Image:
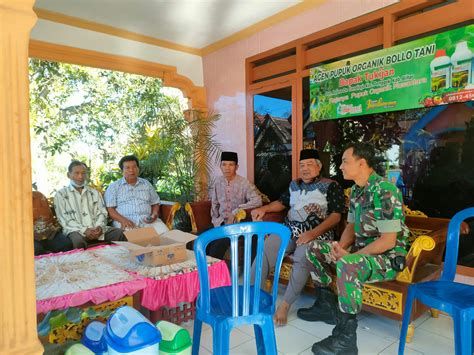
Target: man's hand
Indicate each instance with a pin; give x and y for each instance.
(90, 234)
(337, 251)
(150, 219)
(305, 238)
(257, 214)
(97, 232)
(127, 224)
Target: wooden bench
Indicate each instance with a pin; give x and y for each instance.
(424, 263)
(427, 242)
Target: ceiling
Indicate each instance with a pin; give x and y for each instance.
(192, 23)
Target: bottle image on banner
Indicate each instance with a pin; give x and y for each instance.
(440, 71)
(461, 71)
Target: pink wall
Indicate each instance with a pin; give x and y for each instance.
(224, 70)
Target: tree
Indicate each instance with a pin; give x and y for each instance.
(98, 114)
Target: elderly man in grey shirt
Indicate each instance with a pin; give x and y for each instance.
(229, 194)
(132, 201)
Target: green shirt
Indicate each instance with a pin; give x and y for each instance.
(377, 208)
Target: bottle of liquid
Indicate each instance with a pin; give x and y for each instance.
(440, 71)
(461, 71)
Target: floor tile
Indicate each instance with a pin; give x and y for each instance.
(247, 348)
(307, 352)
(428, 343)
(237, 338)
(292, 340)
(382, 327)
(190, 327)
(443, 325)
(319, 330)
(393, 350)
(369, 344)
(204, 351)
(425, 316)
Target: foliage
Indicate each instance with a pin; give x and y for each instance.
(100, 108)
(99, 115)
(180, 153)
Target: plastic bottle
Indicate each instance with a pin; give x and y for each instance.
(440, 71)
(461, 71)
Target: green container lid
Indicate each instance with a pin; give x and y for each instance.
(78, 349)
(174, 338)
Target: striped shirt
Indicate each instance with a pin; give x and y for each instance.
(78, 211)
(132, 201)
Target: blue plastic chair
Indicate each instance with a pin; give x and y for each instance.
(454, 298)
(226, 307)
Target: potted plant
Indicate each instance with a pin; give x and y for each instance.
(177, 156)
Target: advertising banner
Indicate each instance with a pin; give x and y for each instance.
(434, 70)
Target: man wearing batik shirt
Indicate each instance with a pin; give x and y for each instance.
(315, 206)
(229, 194)
(372, 247)
(81, 211)
(132, 202)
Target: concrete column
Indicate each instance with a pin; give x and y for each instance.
(17, 281)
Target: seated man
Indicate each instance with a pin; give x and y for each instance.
(81, 212)
(315, 206)
(230, 193)
(132, 201)
(376, 232)
(47, 234)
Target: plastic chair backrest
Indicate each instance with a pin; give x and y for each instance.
(452, 243)
(247, 230)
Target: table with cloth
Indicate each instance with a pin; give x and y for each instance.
(166, 285)
(106, 276)
(107, 273)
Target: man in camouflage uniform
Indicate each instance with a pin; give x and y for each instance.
(372, 247)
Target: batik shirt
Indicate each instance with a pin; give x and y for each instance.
(132, 201)
(310, 204)
(228, 197)
(377, 208)
(78, 211)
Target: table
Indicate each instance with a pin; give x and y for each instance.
(170, 285)
(77, 277)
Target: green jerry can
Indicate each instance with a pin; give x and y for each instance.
(175, 339)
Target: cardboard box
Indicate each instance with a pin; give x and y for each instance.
(167, 248)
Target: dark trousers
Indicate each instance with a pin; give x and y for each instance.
(113, 234)
(60, 242)
(218, 248)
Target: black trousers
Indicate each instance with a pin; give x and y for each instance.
(60, 242)
(218, 248)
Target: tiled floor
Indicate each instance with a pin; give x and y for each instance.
(375, 335)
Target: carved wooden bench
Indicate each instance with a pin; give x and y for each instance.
(424, 263)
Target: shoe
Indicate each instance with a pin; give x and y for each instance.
(323, 309)
(343, 340)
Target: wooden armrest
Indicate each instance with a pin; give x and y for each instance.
(421, 244)
(169, 220)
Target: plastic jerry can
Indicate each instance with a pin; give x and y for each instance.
(93, 338)
(440, 71)
(175, 339)
(129, 332)
(461, 71)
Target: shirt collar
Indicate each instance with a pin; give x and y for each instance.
(373, 179)
(124, 182)
(72, 188)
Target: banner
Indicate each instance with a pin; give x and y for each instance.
(434, 70)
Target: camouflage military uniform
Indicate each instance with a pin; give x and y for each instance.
(374, 209)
